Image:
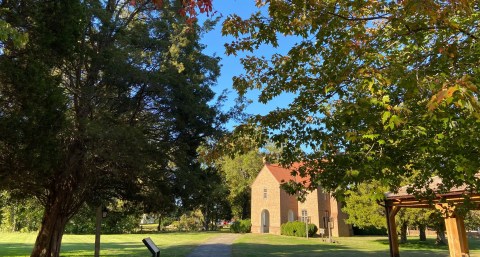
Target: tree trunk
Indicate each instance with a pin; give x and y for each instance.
(441, 240)
(49, 237)
(403, 233)
(13, 219)
(206, 220)
(159, 227)
(423, 235)
(246, 206)
(58, 209)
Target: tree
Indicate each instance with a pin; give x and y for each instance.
(239, 172)
(472, 220)
(362, 208)
(421, 219)
(384, 90)
(105, 100)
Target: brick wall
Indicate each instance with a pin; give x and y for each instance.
(265, 180)
(278, 204)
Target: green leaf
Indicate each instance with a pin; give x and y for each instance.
(385, 116)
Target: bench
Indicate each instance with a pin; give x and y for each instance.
(151, 247)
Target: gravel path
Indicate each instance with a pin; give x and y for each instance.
(220, 246)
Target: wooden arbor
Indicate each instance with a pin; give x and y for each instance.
(446, 203)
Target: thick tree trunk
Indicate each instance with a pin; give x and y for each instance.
(49, 237)
(423, 235)
(403, 233)
(58, 209)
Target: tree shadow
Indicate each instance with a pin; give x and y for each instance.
(107, 249)
(345, 249)
(304, 250)
(416, 244)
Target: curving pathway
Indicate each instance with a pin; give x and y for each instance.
(220, 246)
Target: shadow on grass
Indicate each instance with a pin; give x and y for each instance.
(107, 249)
(304, 250)
(416, 244)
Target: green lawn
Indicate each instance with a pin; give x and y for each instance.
(248, 245)
(257, 245)
(171, 244)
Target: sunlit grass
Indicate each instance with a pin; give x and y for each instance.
(259, 245)
(170, 244)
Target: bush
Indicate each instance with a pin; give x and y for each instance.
(192, 221)
(369, 231)
(241, 226)
(297, 228)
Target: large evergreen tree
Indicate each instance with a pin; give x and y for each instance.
(106, 99)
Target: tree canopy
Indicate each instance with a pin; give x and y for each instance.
(384, 90)
(105, 99)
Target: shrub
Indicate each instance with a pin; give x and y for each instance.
(369, 230)
(241, 226)
(297, 228)
(192, 221)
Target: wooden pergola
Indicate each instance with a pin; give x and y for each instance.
(446, 203)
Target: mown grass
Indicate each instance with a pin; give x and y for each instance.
(178, 244)
(256, 245)
(171, 244)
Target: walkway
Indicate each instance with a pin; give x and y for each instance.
(219, 246)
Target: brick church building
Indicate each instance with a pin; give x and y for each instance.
(272, 206)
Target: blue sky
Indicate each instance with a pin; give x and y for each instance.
(231, 65)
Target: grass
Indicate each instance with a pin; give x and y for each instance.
(256, 245)
(171, 244)
(176, 244)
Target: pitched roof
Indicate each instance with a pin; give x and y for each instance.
(282, 174)
(435, 183)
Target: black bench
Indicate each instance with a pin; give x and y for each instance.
(151, 247)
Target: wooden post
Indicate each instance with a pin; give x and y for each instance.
(98, 226)
(391, 211)
(456, 234)
(463, 236)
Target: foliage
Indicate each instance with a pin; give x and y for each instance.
(362, 208)
(298, 229)
(472, 220)
(241, 226)
(120, 219)
(19, 215)
(203, 189)
(106, 100)
(239, 172)
(437, 223)
(192, 221)
(383, 90)
(83, 222)
(369, 231)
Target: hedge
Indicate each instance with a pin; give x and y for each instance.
(297, 228)
(241, 226)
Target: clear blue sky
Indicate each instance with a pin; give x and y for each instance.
(231, 65)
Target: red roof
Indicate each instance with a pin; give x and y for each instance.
(284, 175)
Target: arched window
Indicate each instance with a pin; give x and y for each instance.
(291, 217)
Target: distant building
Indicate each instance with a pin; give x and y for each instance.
(272, 206)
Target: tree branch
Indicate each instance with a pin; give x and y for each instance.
(350, 18)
